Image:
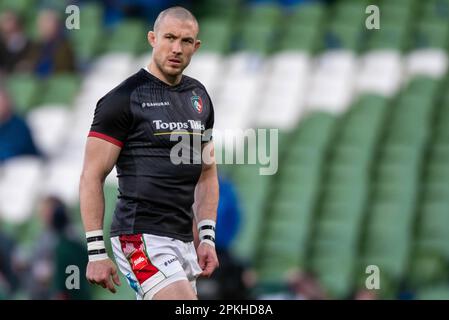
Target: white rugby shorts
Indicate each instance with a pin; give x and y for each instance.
(151, 262)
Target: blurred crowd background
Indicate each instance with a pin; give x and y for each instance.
(363, 119)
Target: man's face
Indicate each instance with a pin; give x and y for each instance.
(8, 23)
(173, 44)
(48, 25)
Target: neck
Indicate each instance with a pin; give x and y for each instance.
(170, 80)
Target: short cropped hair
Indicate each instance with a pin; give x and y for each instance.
(176, 12)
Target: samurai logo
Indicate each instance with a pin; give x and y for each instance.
(197, 102)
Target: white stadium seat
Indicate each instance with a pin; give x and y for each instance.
(380, 72)
(427, 62)
(20, 186)
(49, 125)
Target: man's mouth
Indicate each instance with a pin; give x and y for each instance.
(174, 61)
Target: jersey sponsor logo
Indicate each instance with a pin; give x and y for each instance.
(138, 262)
(134, 249)
(155, 104)
(190, 124)
(197, 103)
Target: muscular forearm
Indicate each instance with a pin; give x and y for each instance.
(206, 195)
(92, 202)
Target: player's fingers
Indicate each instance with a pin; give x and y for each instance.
(209, 269)
(115, 277)
(202, 261)
(110, 285)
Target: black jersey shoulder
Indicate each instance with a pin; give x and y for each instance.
(113, 117)
(192, 81)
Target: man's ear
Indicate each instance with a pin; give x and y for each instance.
(151, 36)
(197, 44)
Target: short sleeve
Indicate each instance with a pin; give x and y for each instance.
(112, 118)
(210, 121)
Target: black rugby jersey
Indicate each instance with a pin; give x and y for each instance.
(155, 195)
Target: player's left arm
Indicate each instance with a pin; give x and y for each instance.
(205, 208)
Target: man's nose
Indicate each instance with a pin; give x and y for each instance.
(176, 47)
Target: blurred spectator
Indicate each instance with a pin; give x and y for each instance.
(15, 136)
(14, 44)
(53, 53)
(305, 286)
(366, 294)
(227, 281)
(8, 278)
(56, 248)
(228, 215)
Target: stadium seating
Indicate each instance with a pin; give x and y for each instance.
(363, 124)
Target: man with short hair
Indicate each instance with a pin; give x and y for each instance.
(159, 201)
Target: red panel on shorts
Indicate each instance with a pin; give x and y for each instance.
(134, 250)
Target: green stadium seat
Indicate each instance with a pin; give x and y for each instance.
(315, 130)
(20, 6)
(435, 10)
(347, 211)
(228, 9)
(386, 216)
(395, 14)
(309, 14)
(302, 155)
(347, 154)
(127, 37)
(350, 12)
(437, 292)
(264, 13)
(390, 36)
(432, 34)
(86, 42)
(435, 220)
(60, 89)
(343, 35)
(252, 189)
(215, 35)
(92, 15)
(24, 90)
(346, 173)
(394, 264)
(331, 233)
(395, 192)
(300, 38)
(436, 191)
(335, 275)
(399, 154)
(257, 38)
(439, 154)
(438, 172)
(427, 268)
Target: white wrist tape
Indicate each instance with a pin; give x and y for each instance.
(206, 230)
(95, 245)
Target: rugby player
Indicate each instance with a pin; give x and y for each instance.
(161, 205)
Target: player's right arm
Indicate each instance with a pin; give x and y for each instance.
(100, 157)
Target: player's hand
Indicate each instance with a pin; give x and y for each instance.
(100, 272)
(207, 259)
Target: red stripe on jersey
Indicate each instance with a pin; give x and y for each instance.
(105, 137)
(134, 250)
